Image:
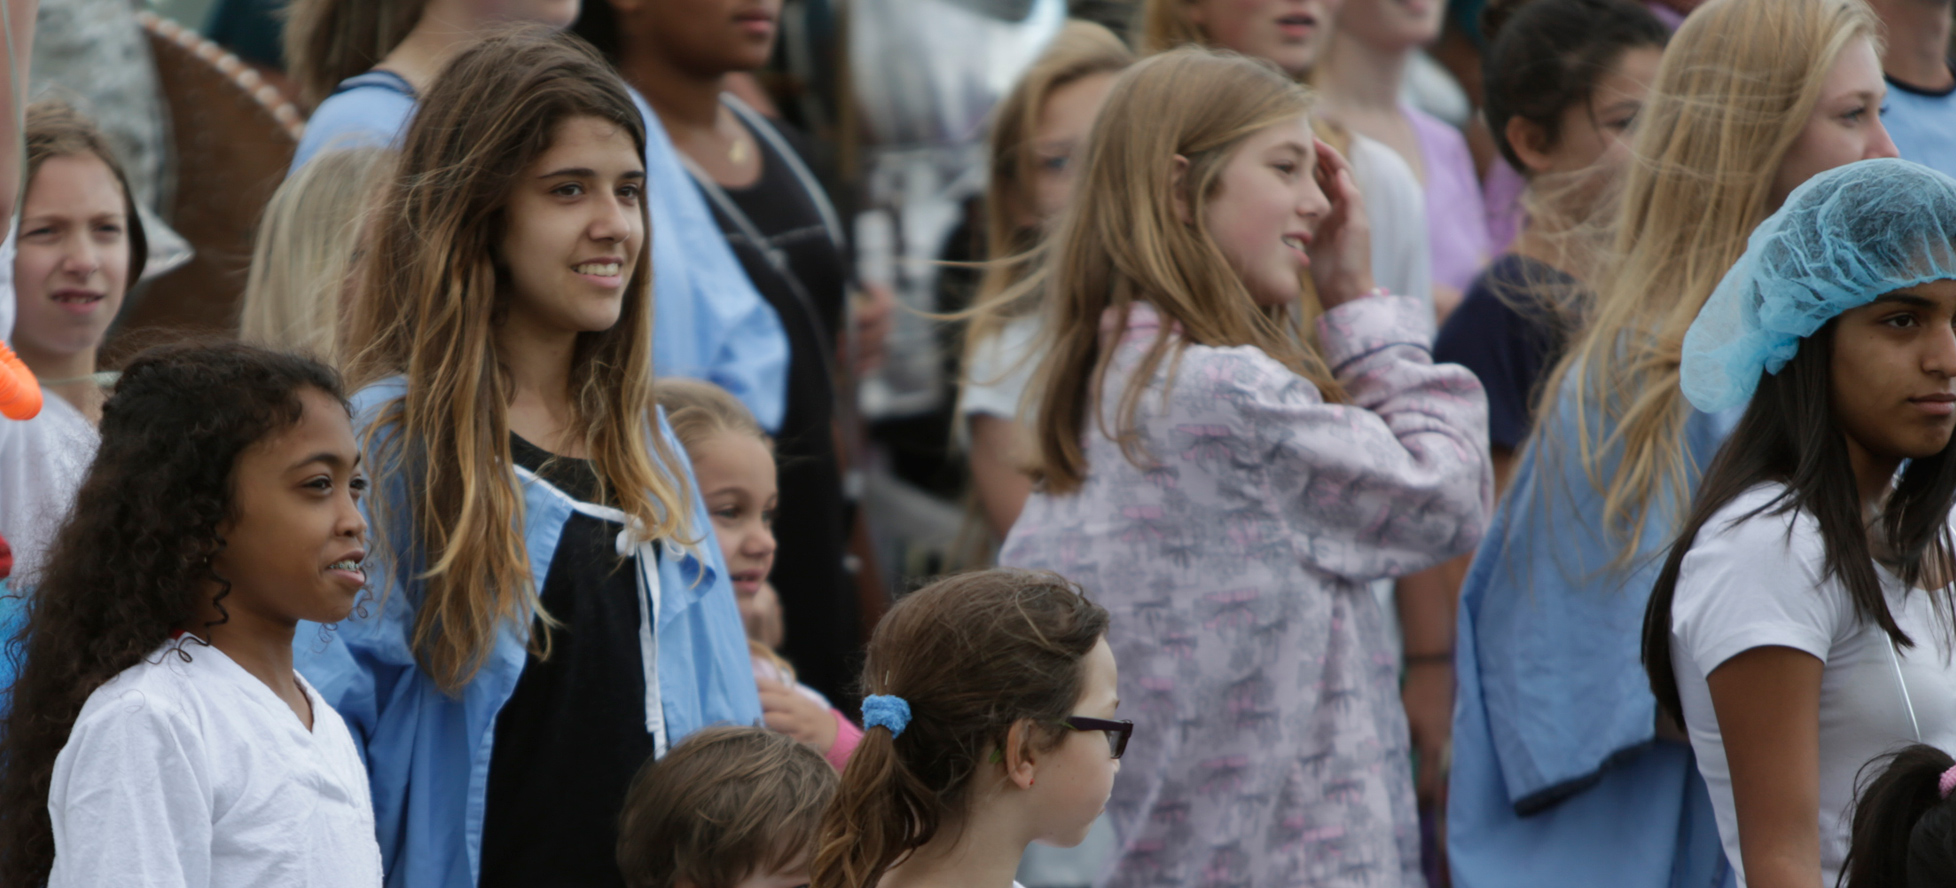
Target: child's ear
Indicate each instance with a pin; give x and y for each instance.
(1178, 176)
(1020, 765)
(1531, 144)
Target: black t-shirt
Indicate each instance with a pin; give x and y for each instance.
(818, 600)
(1505, 331)
(573, 732)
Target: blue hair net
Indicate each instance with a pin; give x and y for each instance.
(1842, 239)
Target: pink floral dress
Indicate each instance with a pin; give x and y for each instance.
(1270, 747)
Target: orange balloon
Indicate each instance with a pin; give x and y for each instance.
(20, 393)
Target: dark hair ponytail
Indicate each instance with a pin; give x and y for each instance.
(1789, 435)
(126, 566)
(1544, 56)
(1904, 833)
(972, 655)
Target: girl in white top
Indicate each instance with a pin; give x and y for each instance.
(158, 735)
(1038, 133)
(80, 246)
(1794, 630)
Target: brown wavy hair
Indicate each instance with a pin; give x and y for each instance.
(728, 803)
(127, 566)
(428, 294)
(972, 655)
(327, 41)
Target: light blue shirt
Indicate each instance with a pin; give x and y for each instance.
(1558, 776)
(1923, 125)
(428, 753)
(709, 322)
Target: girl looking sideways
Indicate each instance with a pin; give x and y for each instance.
(1230, 492)
(158, 734)
(989, 726)
(548, 619)
(1799, 627)
(1752, 97)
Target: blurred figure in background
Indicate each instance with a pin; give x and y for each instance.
(1361, 80)
(1038, 136)
(80, 246)
(305, 251)
(1921, 109)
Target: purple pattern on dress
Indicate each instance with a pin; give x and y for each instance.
(1270, 747)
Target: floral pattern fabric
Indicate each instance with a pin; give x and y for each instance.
(1270, 746)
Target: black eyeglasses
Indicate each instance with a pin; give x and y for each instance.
(1117, 731)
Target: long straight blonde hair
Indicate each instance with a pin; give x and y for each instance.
(1733, 93)
(1122, 241)
(304, 249)
(430, 295)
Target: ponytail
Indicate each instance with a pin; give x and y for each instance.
(881, 812)
(1904, 833)
(327, 41)
(969, 657)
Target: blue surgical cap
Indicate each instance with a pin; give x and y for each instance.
(1841, 240)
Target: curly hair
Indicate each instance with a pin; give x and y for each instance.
(126, 566)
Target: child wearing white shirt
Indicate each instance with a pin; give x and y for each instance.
(158, 734)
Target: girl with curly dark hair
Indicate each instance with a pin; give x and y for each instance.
(158, 733)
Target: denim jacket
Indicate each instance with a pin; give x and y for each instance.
(428, 753)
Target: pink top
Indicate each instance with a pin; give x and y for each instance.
(1503, 188)
(1456, 219)
(1270, 746)
(847, 735)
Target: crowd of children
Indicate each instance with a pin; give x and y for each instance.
(1409, 531)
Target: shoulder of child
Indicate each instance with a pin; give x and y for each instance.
(141, 712)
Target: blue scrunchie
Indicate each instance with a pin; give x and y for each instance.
(886, 711)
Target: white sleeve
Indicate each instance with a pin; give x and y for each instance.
(1000, 370)
(131, 800)
(1402, 259)
(1750, 585)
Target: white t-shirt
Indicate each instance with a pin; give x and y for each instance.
(1402, 257)
(42, 463)
(197, 774)
(1750, 585)
(1000, 370)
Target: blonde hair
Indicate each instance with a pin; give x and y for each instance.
(327, 41)
(1122, 241)
(1162, 25)
(304, 249)
(1733, 93)
(427, 301)
(698, 410)
(1082, 49)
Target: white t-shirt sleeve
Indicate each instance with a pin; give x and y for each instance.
(131, 800)
(1751, 585)
(1402, 257)
(1000, 370)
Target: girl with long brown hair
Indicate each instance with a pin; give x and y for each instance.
(1229, 491)
(1752, 97)
(368, 63)
(989, 725)
(549, 613)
